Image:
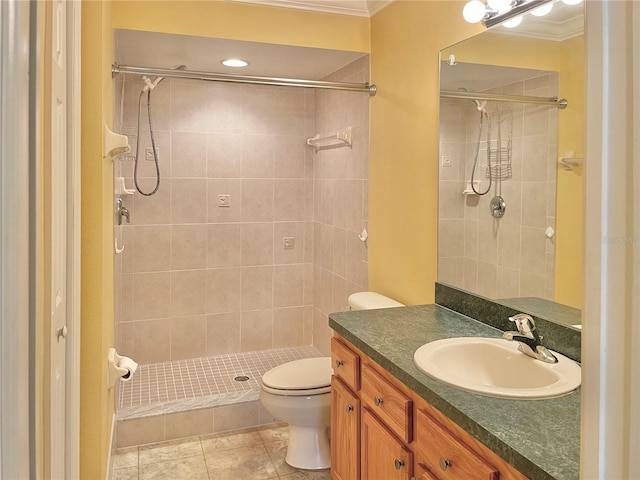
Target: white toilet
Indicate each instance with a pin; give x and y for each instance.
(299, 393)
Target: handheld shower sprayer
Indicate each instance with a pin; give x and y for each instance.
(148, 86)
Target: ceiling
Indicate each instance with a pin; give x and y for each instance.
(478, 78)
(165, 50)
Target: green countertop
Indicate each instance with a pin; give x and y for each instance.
(540, 438)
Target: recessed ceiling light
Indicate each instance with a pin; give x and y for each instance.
(234, 62)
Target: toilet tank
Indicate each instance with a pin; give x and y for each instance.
(371, 301)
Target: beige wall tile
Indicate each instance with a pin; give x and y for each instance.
(509, 246)
(140, 431)
(533, 249)
(289, 156)
(451, 238)
(257, 244)
(338, 294)
(257, 156)
(151, 295)
(223, 245)
(287, 204)
(256, 331)
(189, 108)
(152, 341)
(152, 248)
(225, 102)
(257, 288)
(188, 200)
(223, 333)
(321, 332)
(152, 210)
(487, 279)
(188, 154)
(339, 266)
(534, 206)
(288, 285)
(223, 290)
(231, 187)
(224, 155)
(188, 292)
(531, 285)
(257, 200)
(162, 140)
(508, 282)
(187, 424)
(288, 327)
(188, 337)
(289, 229)
(188, 247)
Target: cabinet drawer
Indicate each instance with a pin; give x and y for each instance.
(346, 364)
(387, 402)
(441, 451)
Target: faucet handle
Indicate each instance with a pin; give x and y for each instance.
(524, 323)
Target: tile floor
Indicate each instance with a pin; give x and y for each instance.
(251, 454)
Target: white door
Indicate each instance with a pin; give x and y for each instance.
(57, 206)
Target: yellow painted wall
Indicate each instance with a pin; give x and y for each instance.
(238, 21)
(569, 274)
(97, 302)
(406, 38)
(567, 58)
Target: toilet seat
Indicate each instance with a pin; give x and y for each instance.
(309, 376)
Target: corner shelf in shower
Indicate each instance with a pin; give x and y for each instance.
(340, 138)
(120, 187)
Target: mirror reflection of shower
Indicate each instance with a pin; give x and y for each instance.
(149, 85)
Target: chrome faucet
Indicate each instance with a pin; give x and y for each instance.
(122, 211)
(529, 340)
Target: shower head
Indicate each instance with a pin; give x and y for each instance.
(150, 85)
(479, 105)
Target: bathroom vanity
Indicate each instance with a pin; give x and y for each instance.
(390, 421)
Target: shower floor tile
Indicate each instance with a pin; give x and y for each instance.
(201, 382)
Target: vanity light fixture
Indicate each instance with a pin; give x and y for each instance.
(493, 12)
(234, 62)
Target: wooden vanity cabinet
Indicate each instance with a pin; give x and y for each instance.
(381, 430)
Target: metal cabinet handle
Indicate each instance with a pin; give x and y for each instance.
(399, 464)
(339, 363)
(444, 463)
(378, 401)
(349, 408)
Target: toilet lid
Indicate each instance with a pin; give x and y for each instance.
(302, 374)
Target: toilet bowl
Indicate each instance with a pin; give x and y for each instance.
(299, 393)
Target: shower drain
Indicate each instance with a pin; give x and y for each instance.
(241, 378)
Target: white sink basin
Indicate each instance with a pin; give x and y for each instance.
(495, 367)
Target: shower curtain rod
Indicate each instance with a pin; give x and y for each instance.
(551, 101)
(225, 77)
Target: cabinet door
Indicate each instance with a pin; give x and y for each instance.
(423, 473)
(345, 432)
(384, 457)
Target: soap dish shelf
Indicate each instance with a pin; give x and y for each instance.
(323, 141)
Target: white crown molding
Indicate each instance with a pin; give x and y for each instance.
(358, 8)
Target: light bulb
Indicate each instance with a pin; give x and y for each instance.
(571, 2)
(474, 11)
(499, 5)
(234, 62)
(543, 10)
(513, 22)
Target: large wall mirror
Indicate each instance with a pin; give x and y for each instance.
(510, 168)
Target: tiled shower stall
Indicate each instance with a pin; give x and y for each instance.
(205, 289)
(511, 256)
